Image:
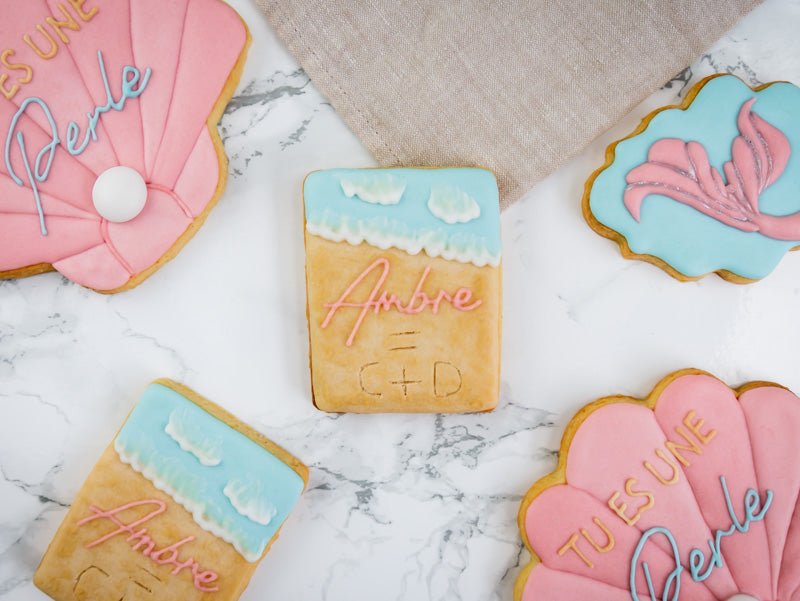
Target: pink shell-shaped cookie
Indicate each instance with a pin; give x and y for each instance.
(87, 86)
(690, 494)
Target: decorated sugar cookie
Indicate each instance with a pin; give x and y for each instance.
(403, 281)
(182, 505)
(689, 494)
(108, 111)
(710, 186)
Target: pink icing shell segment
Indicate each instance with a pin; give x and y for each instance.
(693, 495)
(87, 86)
(195, 92)
(153, 27)
(200, 175)
(773, 421)
(709, 413)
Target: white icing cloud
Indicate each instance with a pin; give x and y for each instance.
(207, 450)
(248, 500)
(452, 205)
(375, 188)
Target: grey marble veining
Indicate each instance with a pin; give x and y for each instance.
(398, 507)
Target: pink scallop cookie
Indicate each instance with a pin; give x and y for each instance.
(108, 112)
(689, 494)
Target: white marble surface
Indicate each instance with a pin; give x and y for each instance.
(404, 507)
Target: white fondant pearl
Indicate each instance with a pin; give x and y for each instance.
(742, 597)
(119, 194)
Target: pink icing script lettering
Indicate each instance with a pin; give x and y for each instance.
(140, 538)
(681, 171)
(378, 300)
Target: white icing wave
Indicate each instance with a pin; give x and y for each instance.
(452, 205)
(247, 498)
(375, 188)
(207, 450)
(462, 248)
(193, 507)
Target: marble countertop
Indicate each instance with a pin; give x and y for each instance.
(400, 507)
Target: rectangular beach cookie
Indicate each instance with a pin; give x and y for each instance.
(182, 505)
(404, 289)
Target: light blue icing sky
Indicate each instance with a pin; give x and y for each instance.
(326, 204)
(143, 437)
(694, 243)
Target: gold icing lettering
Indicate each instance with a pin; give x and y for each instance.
(609, 537)
(53, 46)
(57, 26)
(78, 6)
(8, 93)
(4, 60)
(666, 481)
(674, 447)
(619, 508)
(22, 67)
(695, 427)
(571, 544)
(9, 88)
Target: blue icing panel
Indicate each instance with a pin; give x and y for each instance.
(264, 488)
(691, 242)
(334, 210)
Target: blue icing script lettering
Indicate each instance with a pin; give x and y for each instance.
(133, 84)
(755, 510)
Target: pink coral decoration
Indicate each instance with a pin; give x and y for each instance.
(86, 86)
(690, 494)
(681, 171)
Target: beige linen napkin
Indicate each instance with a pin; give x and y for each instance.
(516, 86)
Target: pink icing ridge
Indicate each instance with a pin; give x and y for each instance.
(752, 441)
(773, 420)
(191, 47)
(681, 171)
(152, 21)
